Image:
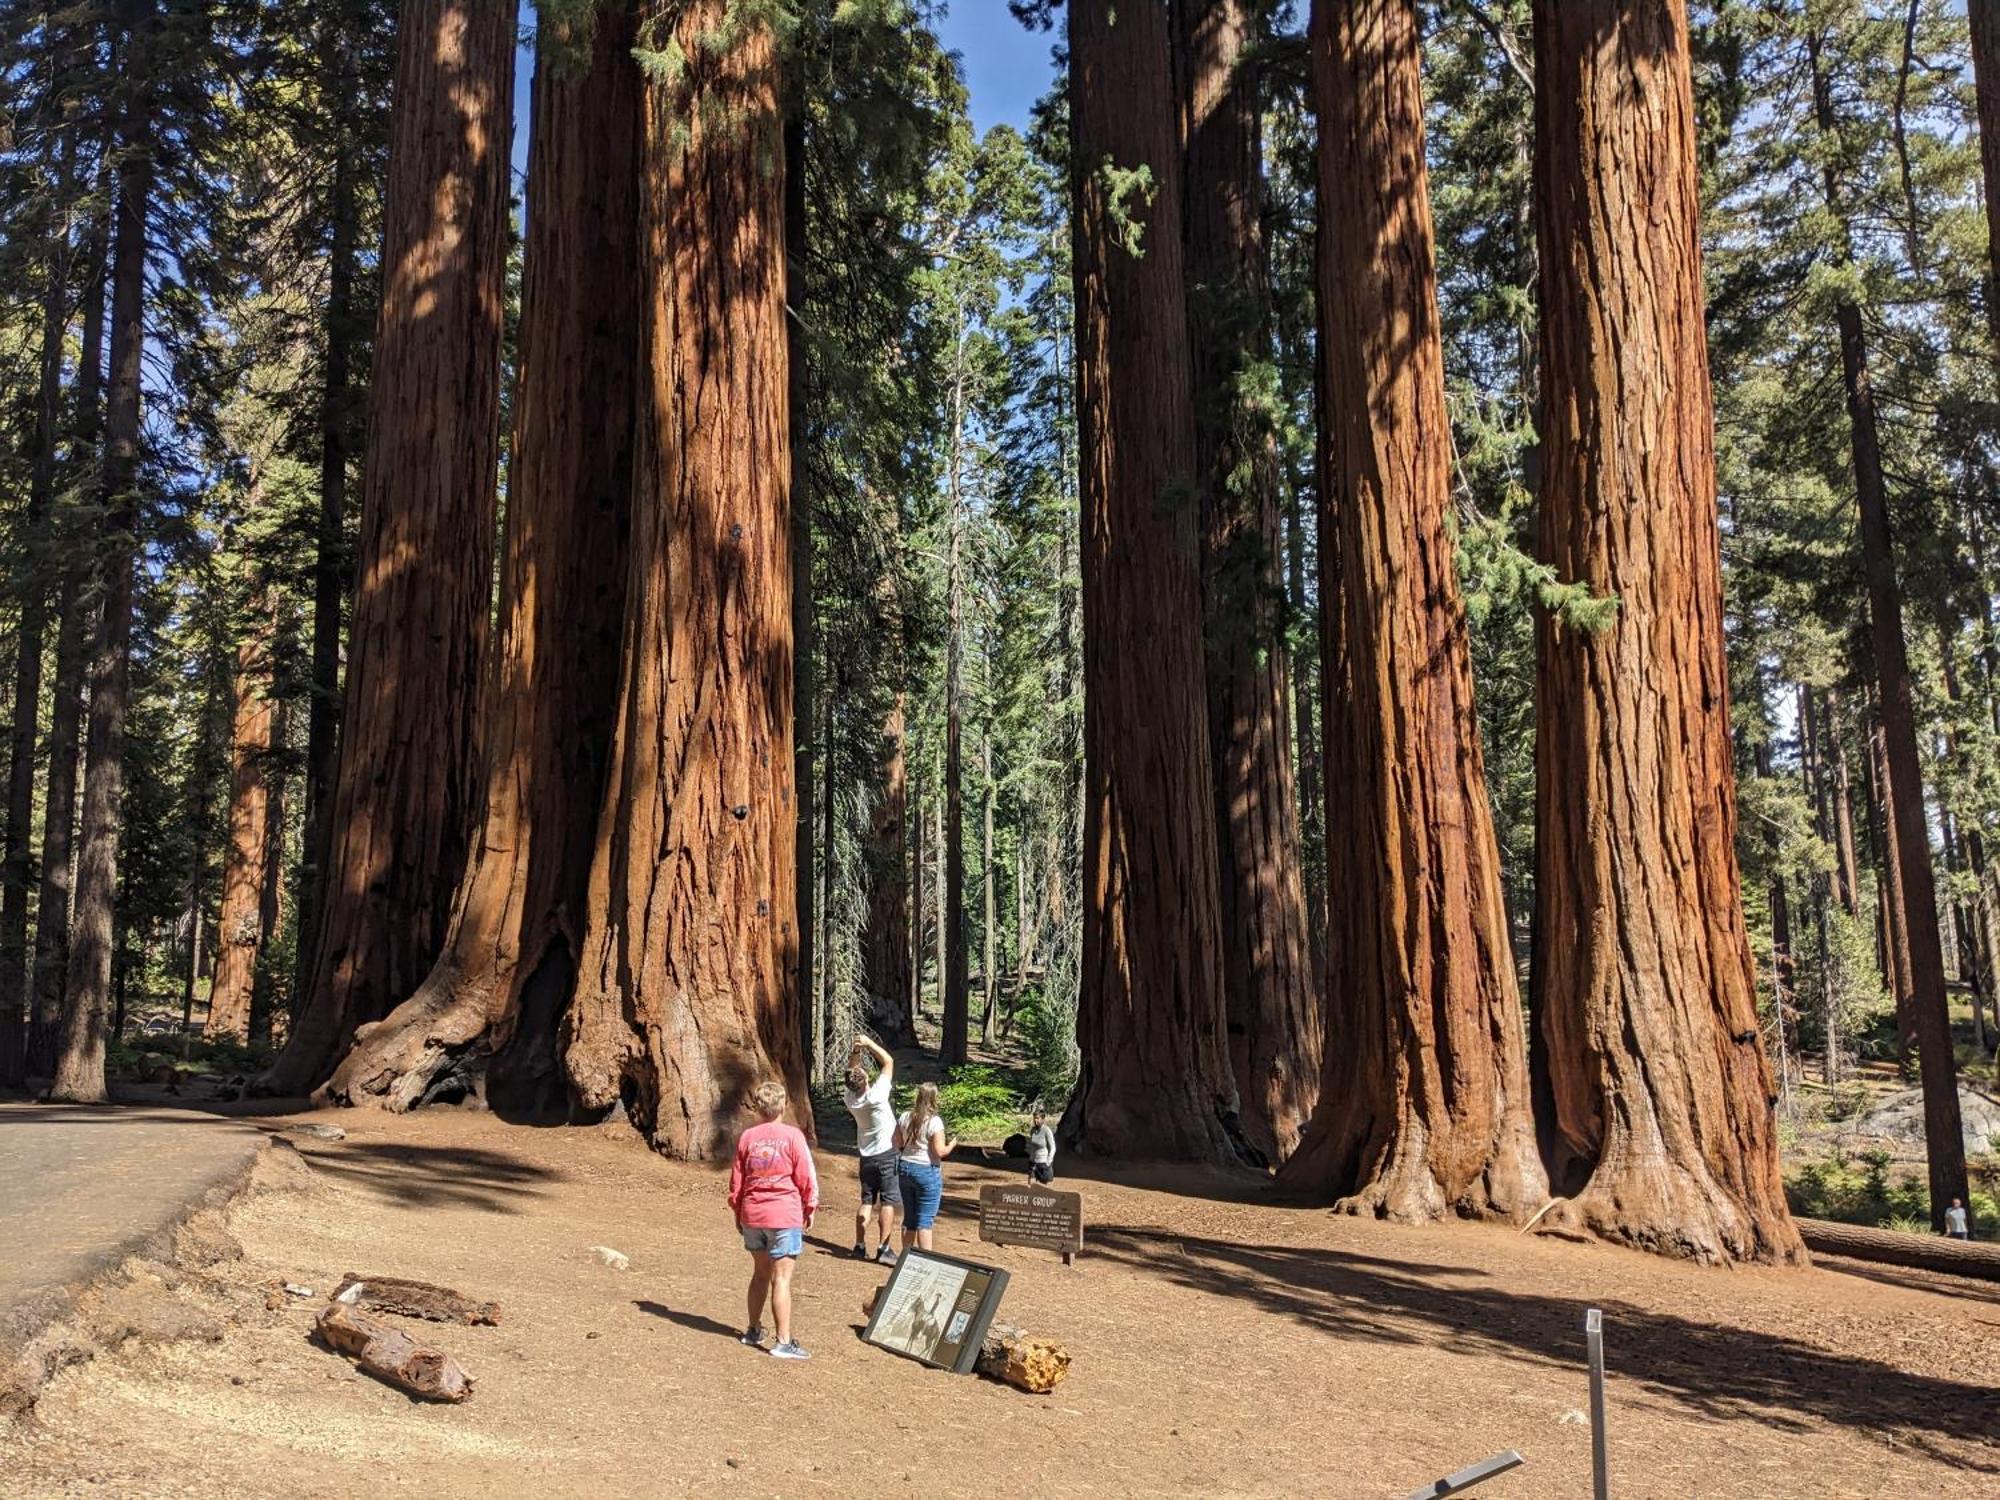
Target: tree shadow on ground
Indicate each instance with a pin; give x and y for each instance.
(1725, 1373)
(1912, 1279)
(428, 1176)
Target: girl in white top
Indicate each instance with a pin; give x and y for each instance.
(921, 1145)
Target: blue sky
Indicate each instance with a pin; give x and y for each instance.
(1006, 65)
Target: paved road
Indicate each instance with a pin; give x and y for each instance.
(81, 1188)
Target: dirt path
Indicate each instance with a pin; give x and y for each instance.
(1222, 1348)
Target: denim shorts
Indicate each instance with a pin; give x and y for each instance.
(779, 1244)
(923, 1188)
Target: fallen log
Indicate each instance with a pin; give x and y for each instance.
(1029, 1364)
(1923, 1252)
(391, 1355)
(414, 1299)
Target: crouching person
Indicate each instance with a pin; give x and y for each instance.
(774, 1192)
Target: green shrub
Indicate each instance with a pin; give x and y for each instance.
(1048, 1037)
(977, 1102)
(1836, 1190)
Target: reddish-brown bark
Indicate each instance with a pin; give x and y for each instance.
(688, 981)
(240, 930)
(1272, 999)
(1156, 1079)
(485, 1019)
(406, 791)
(1664, 1137)
(1425, 1105)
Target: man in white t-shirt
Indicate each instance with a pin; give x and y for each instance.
(875, 1138)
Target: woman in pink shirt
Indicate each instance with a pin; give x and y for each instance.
(775, 1193)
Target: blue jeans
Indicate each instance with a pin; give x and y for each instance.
(923, 1188)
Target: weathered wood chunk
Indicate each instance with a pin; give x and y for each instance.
(1030, 1364)
(391, 1355)
(414, 1299)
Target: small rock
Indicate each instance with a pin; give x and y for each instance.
(293, 1289)
(733, 1463)
(618, 1260)
(1574, 1417)
(237, 1380)
(590, 1335)
(316, 1132)
(353, 1294)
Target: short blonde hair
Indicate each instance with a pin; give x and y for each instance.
(769, 1099)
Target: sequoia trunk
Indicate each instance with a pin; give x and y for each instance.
(1645, 995)
(485, 1019)
(1272, 1000)
(87, 999)
(240, 930)
(406, 789)
(688, 982)
(1425, 1110)
(1156, 1079)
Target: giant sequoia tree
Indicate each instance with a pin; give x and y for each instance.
(493, 1001)
(1272, 1001)
(406, 791)
(1425, 1106)
(687, 986)
(1644, 996)
(1156, 1079)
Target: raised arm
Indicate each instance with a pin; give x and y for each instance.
(876, 1050)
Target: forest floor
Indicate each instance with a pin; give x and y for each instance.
(1223, 1345)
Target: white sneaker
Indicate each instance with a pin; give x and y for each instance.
(788, 1350)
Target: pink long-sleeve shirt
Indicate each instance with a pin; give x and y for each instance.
(772, 1184)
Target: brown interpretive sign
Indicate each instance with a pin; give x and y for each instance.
(1036, 1216)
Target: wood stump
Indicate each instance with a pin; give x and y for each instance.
(391, 1355)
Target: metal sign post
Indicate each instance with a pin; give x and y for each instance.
(1600, 1467)
(1465, 1479)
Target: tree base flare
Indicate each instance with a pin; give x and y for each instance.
(424, 1047)
(1682, 1222)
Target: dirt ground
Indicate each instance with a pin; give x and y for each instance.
(1222, 1346)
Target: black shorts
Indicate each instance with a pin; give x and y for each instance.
(878, 1179)
(1042, 1171)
